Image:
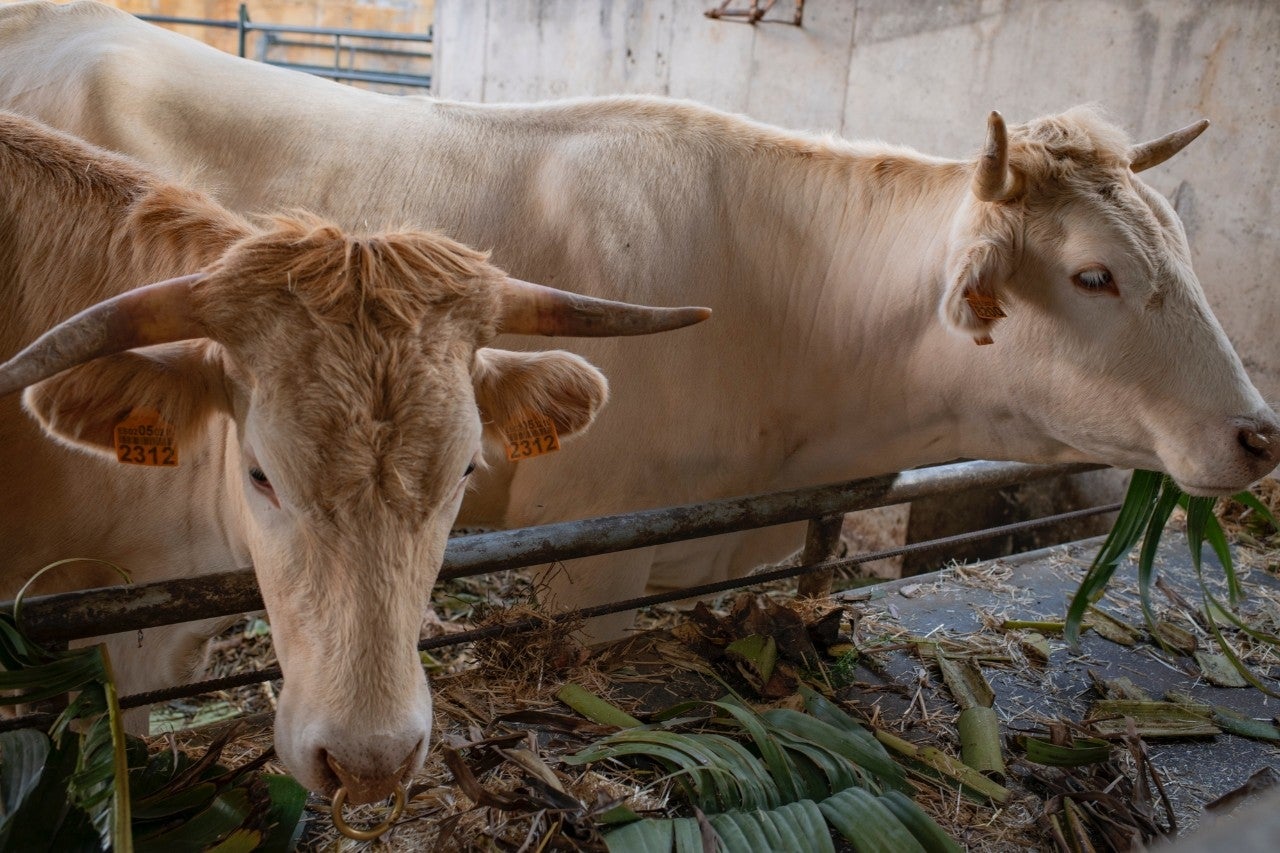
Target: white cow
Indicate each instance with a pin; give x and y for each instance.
(850, 280)
(285, 393)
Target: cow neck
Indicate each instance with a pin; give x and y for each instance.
(861, 352)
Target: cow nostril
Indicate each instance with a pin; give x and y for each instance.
(326, 762)
(1256, 443)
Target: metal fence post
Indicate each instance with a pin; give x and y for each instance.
(821, 543)
(242, 26)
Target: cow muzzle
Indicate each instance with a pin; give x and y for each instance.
(370, 786)
(1247, 449)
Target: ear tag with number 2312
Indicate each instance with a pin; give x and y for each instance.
(533, 435)
(144, 438)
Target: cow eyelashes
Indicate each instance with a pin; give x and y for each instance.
(263, 485)
(470, 469)
(1096, 279)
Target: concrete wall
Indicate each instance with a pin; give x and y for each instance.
(926, 73)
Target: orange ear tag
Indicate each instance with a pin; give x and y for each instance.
(533, 435)
(984, 306)
(143, 438)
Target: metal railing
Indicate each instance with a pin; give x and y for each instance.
(95, 612)
(274, 38)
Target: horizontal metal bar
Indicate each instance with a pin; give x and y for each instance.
(389, 78)
(190, 22)
(295, 29)
(380, 35)
(347, 47)
(522, 625)
(510, 549)
(94, 612)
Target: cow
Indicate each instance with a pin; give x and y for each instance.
(289, 394)
(877, 308)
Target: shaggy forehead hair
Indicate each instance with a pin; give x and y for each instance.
(1080, 158)
(359, 348)
(380, 284)
(1075, 145)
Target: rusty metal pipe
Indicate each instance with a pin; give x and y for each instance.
(528, 624)
(94, 612)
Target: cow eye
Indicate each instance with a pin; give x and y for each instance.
(470, 469)
(259, 478)
(1095, 279)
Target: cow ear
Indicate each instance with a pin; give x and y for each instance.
(558, 385)
(183, 383)
(976, 277)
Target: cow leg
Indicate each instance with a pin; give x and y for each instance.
(590, 581)
(683, 564)
(154, 658)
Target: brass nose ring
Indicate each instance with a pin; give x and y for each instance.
(339, 823)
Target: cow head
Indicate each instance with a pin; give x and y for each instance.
(358, 387)
(1081, 276)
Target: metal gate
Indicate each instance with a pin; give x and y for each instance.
(350, 50)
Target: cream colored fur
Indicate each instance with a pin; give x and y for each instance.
(349, 368)
(842, 344)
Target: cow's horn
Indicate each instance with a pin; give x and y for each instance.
(532, 309)
(1156, 151)
(993, 181)
(156, 314)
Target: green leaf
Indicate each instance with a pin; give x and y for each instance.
(1251, 501)
(868, 824)
(801, 826)
(758, 651)
(46, 814)
(288, 798)
(685, 759)
(22, 757)
(796, 826)
(643, 836)
(169, 804)
(594, 708)
(240, 841)
(1165, 504)
(1239, 724)
(832, 714)
(225, 815)
(1240, 666)
(919, 824)
(875, 761)
(1134, 516)
(757, 789)
(1082, 752)
(780, 767)
(838, 773)
(687, 835)
(737, 832)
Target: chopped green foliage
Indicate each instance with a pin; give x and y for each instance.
(1148, 504)
(84, 785)
(780, 780)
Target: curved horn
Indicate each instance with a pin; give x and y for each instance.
(992, 180)
(532, 309)
(156, 314)
(1156, 151)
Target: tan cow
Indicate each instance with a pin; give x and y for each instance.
(302, 398)
(850, 279)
